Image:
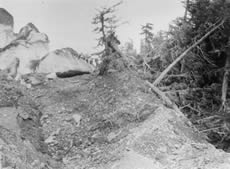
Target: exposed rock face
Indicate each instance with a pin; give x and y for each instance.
(32, 35)
(28, 52)
(6, 28)
(63, 60)
(29, 45)
(6, 18)
(31, 48)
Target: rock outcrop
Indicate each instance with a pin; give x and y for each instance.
(6, 28)
(63, 61)
(31, 34)
(29, 45)
(28, 52)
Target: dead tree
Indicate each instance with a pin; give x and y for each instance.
(225, 78)
(186, 10)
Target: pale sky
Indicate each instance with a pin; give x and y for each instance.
(68, 22)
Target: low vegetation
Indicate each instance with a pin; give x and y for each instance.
(189, 63)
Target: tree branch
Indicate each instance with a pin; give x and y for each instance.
(162, 75)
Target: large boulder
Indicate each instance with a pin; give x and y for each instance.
(29, 45)
(28, 51)
(63, 60)
(6, 28)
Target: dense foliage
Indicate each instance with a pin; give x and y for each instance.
(199, 83)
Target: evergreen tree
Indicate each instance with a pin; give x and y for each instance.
(106, 23)
(146, 43)
(129, 49)
(214, 50)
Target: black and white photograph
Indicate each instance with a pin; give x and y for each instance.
(114, 84)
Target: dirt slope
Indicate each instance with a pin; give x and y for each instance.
(89, 121)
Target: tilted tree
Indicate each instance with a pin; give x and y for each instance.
(205, 36)
(215, 48)
(106, 23)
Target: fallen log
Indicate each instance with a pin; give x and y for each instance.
(162, 75)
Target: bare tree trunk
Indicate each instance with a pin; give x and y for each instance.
(225, 80)
(163, 97)
(182, 65)
(185, 20)
(162, 75)
(103, 68)
(186, 10)
(111, 49)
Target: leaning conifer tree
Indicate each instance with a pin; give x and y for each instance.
(106, 23)
(216, 47)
